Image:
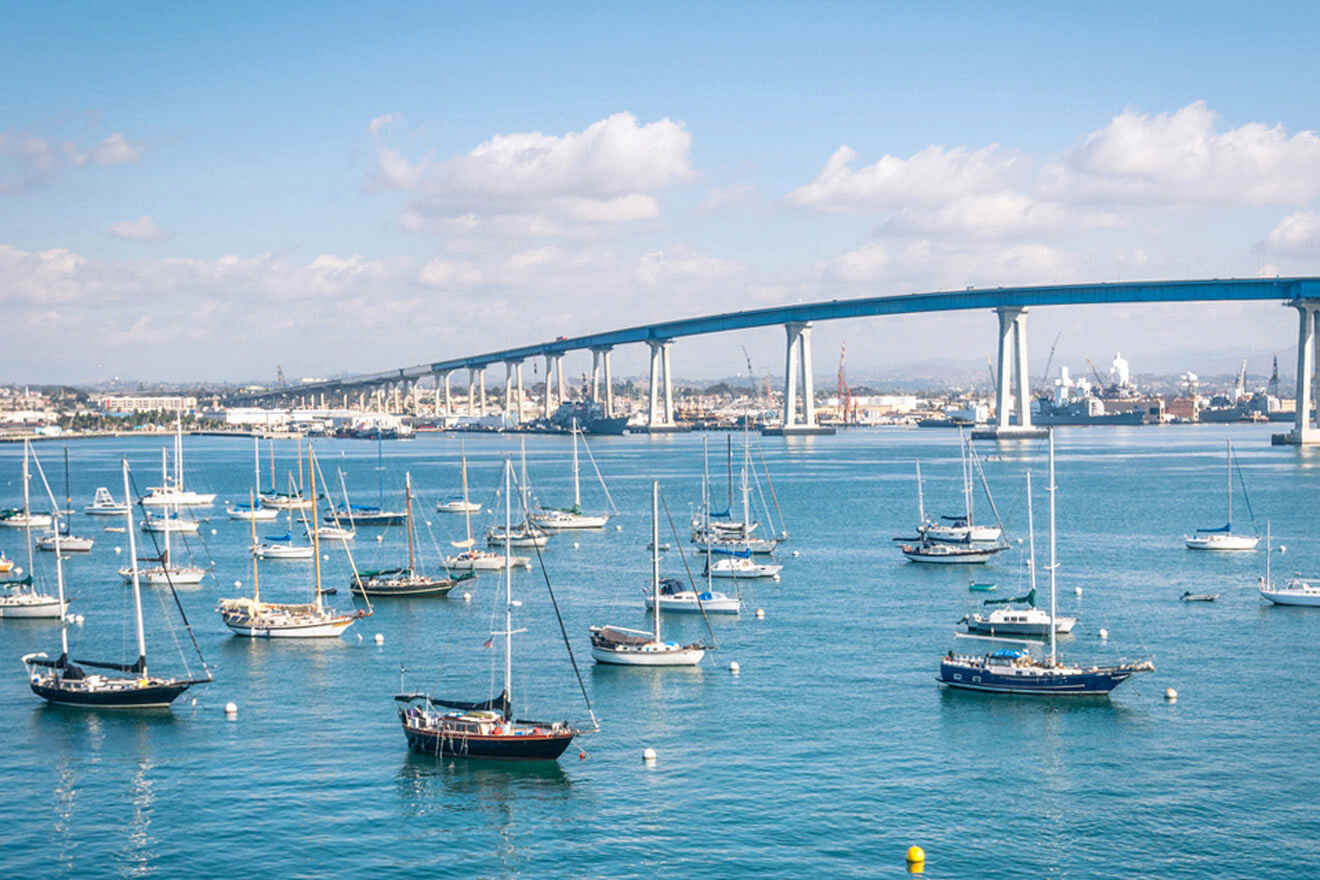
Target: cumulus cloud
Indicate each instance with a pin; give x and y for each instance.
(680, 264)
(448, 273)
(925, 264)
(605, 174)
(380, 122)
(28, 160)
(1183, 158)
(934, 175)
(142, 229)
(1297, 235)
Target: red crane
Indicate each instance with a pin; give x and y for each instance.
(847, 406)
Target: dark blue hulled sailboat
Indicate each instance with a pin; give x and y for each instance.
(1015, 671)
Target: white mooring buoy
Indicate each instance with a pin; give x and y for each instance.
(379, 638)
(734, 667)
(796, 554)
(760, 614)
(231, 709)
(1078, 591)
(649, 755)
(467, 597)
(1104, 633)
(1171, 695)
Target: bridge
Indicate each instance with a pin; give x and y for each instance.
(1011, 304)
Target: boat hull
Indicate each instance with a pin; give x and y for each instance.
(157, 695)
(1081, 683)
(974, 558)
(156, 577)
(672, 605)
(1301, 598)
(330, 629)
(524, 747)
(403, 591)
(679, 657)
(49, 609)
(1221, 542)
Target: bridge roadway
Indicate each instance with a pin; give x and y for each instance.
(1011, 304)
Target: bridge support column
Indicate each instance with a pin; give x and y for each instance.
(559, 378)
(600, 357)
(660, 415)
(1011, 370)
(549, 404)
(1308, 356)
(481, 392)
(609, 385)
(449, 398)
(508, 390)
(472, 392)
(517, 374)
(797, 365)
(595, 375)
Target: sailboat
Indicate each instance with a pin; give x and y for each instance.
(335, 531)
(488, 728)
(555, 519)
(620, 646)
(293, 499)
(171, 493)
(470, 557)
(104, 504)
(961, 529)
(1298, 591)
(524, 534)
(254, 509)
(458, 503)
(65, 682)
(676, 596)
(1015, 671)
(20, 598)
(23, 517)
(1008, 620)
(68, 542)
(408, 582)
(367, 514)
(1222, 538)
(165, 573)
(253, 618)
(927, 549)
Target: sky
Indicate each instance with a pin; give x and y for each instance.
(209, 193)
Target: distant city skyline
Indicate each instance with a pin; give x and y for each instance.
(206, 194)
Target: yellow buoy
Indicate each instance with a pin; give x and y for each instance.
(916, 859)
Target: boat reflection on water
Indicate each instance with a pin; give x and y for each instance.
(427, 784)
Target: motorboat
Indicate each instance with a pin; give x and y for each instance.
(104, 504)
(457, 505)
(170, 522)
(742, 567)
(520, 536)
(65, 543)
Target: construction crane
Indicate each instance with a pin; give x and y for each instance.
(1099, 382)
(991, 369)
(751, 376)
(1045, 376)
(847, 406)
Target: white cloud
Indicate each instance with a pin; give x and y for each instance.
(1297, 235)
(114, 150)
(380, 122)
(605, 174)
(447, 273)
(1181, 158)
(721, 197)
(680, 264)
(925, 264)
(142, 229)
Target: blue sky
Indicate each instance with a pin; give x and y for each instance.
(207, 192)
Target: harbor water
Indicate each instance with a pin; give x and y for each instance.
(830, 753)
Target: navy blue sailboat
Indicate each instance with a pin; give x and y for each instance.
(1015, 671)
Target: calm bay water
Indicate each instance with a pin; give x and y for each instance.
(833, 750)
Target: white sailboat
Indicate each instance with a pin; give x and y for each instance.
(253, 510)
(470, 557)
(24, 518)
(959, 529)
(166, 573)
(676, 596)
(20, 598)
(293, 499)
(253, 618)
(171, 492)
(1298, 591)
(736, 540)
(555, 519)
(1222, 538)
(524, 534)
(620, 646)
(336, 530)
(459, 503)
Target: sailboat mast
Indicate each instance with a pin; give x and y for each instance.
(298, 440)
(316, 537)
(967, 479)
(27, 502)
(508, 584)
(705, 483)
(523, 488)
(270, 454)
(746, 492)
(655, 553)
(728, 448)
(921, 500)
(1228, 446)
(407, 483)
(577, 490)
(256, 472)
(467, 511)
(1031, 542)
(68, 491)
(252, 521)
(1053, 563)
(380, 469)
(137, 582)
(178, 449)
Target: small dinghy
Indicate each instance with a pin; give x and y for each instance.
(974, 587)
(1198, 597)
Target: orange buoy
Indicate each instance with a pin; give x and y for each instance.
(582, 755)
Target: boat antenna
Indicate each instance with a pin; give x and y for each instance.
(1053, 562)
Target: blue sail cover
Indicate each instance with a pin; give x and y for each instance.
(285, 537)
(1226, 527)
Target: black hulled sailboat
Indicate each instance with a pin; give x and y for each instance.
(410, 582)
(488, 728)
(124, 685)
